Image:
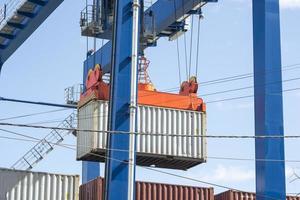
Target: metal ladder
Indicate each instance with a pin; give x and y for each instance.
(46, 145)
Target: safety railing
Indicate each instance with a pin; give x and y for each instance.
(72, 94)
(90, 15)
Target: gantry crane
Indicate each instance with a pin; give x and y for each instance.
(165, 18)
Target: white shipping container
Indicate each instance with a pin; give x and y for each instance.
(164, 146)
(27, 185)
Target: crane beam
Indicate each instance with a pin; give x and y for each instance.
(165, 14)
(27, 23)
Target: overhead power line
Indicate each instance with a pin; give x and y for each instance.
(158, 134)
(208, 102)
(148, 168)
(177, 175)
(248, 96)
(33, 114)
(34, 139)
(38, 103)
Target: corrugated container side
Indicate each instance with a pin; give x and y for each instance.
(237, 195)
(92, 190)
(160, 148)
(150, 191)
(26, 185)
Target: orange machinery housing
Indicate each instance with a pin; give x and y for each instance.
(187, 98)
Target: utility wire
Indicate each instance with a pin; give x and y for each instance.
(208, 102)
(33, 114)
(227, 79)
(34, 139)
(248, 96)
(216, 81)
(247, 75)
(158, 134)
(249, 87)
(147, 168)
(175, 175)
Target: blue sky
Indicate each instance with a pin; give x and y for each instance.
(51, 60)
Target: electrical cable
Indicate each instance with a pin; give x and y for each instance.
(287, 67)
(174, 175)
(249, 87)
(226, 79)
(208, 102)
(248, 96)
(19, 134)
(33, 139)
(159, 134)
(33, 114)
(147, 168)
(247, 75)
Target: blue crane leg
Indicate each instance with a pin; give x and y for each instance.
(270, 176)
(90, 171)
(117, 167)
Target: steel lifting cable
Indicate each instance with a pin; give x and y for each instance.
(102, 43)
(177, 47)
(185, 48)
(191, 42)
(87, 37)
(198, 40)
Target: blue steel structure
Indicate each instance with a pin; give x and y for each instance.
(270, 176)
(18, 27)
(90, 171)
(117, 166)
(163, 23)
(165, 26)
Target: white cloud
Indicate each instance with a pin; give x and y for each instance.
(230, 174)
(290, 4)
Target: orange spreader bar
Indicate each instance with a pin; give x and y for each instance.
(147, 95)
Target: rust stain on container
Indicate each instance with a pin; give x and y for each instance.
(238, 195)
(150, 191)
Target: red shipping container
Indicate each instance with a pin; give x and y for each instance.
(150, 191)
(237, 195)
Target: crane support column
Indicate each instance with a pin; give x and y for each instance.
(270, 176)
(120, 165)
(90, 171)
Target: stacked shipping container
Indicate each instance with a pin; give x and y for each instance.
(157, 191)
(239, 195)
(26, 185)
(150, 191)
